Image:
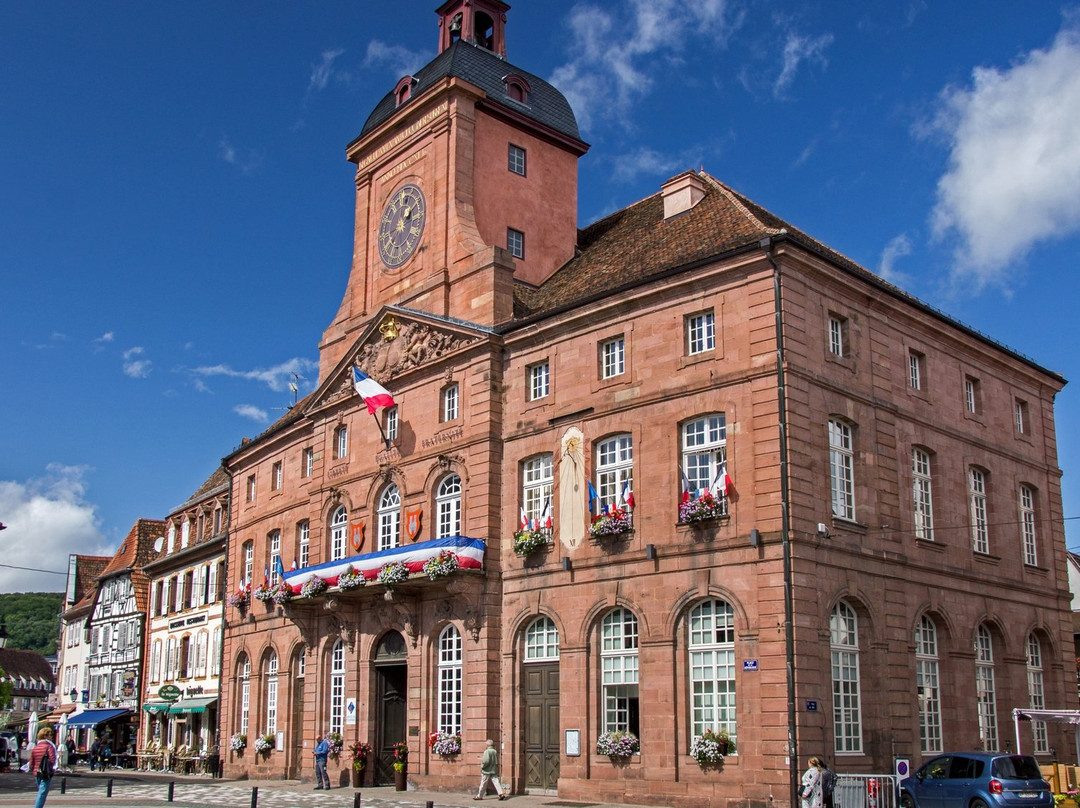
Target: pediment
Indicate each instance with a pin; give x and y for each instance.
(395, 344)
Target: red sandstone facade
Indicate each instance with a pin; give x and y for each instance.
(892, 473)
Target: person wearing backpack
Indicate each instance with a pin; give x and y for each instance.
(828, 785)
(43, 763)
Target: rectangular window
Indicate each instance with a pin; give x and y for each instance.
(700, 333)
(537, 480)
(251, 488)
(971, 395)
(341, 442)
(515, 242)
(450, 402)
(612, 358)
(614, 472)
(841, 470)
(516, 160)
(249, 561)
(921, 495)
(619, 672)
(1027, 525)
(915, 370)
(275, 554)
(837, 335)
(276, 475)
(307, 462)
(303, 541)
(539, 380)
(980, 528)
(390, 416)
(1023, 425)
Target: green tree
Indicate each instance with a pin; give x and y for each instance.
(32, 620)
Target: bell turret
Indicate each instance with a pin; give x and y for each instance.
(481, 22)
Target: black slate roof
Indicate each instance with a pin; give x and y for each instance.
(481, 67)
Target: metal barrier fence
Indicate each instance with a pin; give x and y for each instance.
(867, 791)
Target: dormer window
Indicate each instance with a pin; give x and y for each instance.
(403, 90)
(517, 89)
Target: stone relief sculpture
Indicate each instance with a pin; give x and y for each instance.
(572, 524)
(404, 346)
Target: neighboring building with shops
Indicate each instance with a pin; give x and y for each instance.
(776, 495)
(31, 678)
(116, 629)
(186, 577)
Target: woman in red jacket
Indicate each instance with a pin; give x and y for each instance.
(44, 748)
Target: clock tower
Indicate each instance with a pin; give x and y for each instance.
(466, 184)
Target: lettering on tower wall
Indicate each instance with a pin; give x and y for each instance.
(402, 136)
(404, 164)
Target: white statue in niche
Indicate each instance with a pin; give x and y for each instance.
(572, 523)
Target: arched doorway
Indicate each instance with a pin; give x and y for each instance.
(391, 684)
(540, 675)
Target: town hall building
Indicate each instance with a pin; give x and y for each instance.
(663, 506)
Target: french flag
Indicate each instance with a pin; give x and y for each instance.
(722, 482)
(374, 394)
(545, 515)
(685, 487)
(627, 495)
(524, 520)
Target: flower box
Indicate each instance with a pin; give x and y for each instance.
(703, 508)
(529, 541)
(618, 744)
(440, 566)
(608, 525)
(238, 741)
(710, 748)
(350, 579)
(313, 588)
(444, 744)
(392, 574)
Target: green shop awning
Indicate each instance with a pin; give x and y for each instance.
(192, 705)
(157, 706)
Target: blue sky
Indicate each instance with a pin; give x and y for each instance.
(176, 210)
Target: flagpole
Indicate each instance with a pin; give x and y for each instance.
(378, 423)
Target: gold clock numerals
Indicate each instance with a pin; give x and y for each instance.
(401, 226)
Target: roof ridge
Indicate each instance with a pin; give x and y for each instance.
(736, 200)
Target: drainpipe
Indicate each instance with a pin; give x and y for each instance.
(785, 529)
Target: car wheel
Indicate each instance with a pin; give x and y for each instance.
(906, 800)
(977, 803)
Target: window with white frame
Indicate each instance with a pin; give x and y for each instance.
(155, 662)
(619, 671)
(275, 554)
(215, 651)
(515, 242)
(337, 687)
(271, 675)
(1023, 423)
(916, 370)
(927, 686)
(202, 639)
(614, 470)
(612, 357)
(838, 335)
(541, 641)
(537, 480)
(251, 488)
(539, 380)
(704, 456)
(841, 469)
(245, 694)
(971, 394)
(980, 525)
(341, 442)
(516, 160)
(700, 333)
(448, 507)
(390, 420)
(922, 494)
(389, 517)
(1027, 525)
(450, 681)
(249, 562)
(984, 688)
(712, 668)
(1036, 697)
(303, 542)
(450, 402)
(844, 647)
(307, 462)
(339, 529)
(277, 476)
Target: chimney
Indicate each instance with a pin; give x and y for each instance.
(681, 193)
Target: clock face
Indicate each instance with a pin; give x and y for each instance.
(402, 225)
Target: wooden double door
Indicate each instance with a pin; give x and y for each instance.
(541, 726)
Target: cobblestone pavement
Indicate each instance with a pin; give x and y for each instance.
(143, 790)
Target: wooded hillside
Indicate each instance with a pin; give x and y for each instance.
(32, 620)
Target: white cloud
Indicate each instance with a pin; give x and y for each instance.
(47, 519)
(616, 45)
(135, 367)
(799, 49)
(256, 414)
(108, 336)
(1013, 179)
(645, 161)
(320, 73)
(247, 161)
(897, 248)
(398, 60)
(277, 378)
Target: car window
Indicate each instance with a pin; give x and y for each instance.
(936, 769)
(1016, 767)
(963, 768)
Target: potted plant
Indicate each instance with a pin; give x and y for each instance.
(401, 760)
(444, 744)
(392, 574)
(710, 747)
(350, 579)
(619, 744)
(313, 588)
(238, 741)
(701, 509)
(359, 752)
(528, 541)
(282, 593)
(441, 565)
(614, 523)
(239, 598)
(264, 743)
(337, 743)
(263, 592)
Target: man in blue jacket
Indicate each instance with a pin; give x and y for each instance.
(322, 751)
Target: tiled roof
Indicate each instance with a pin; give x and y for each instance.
(481, 67)
(27, 664)
(87, 569)
(136, 549)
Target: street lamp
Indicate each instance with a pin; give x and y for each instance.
(74, 694)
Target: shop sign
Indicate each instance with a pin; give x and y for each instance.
(169, 692)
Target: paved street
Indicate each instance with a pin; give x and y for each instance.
(136, 790)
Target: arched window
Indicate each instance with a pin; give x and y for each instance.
(847, 713)
(712, 667)
(448, 507)
(984, 688)
(389, 516)
(450, 681)
(619, 671)
(244, 675)
(927, 686)
(337, 687)
(339, 529)
(541, 641)
(271, 674)
(1036, 699)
